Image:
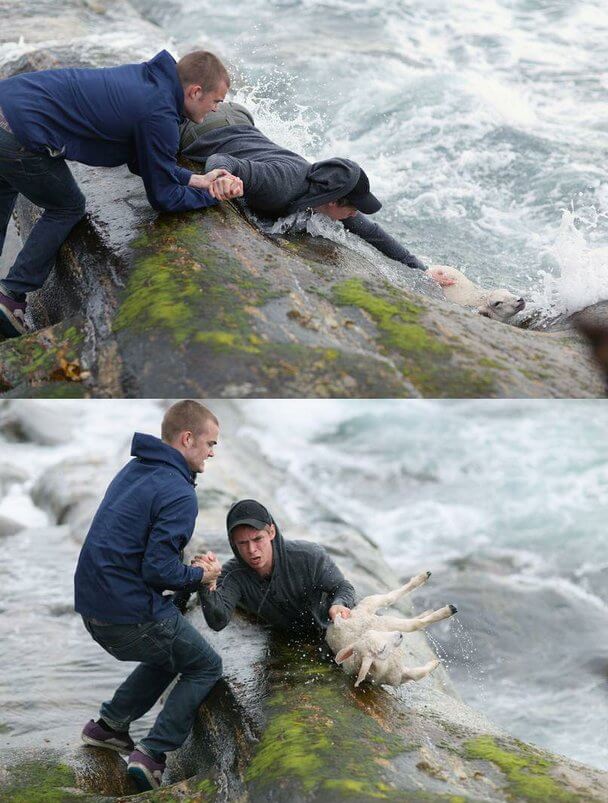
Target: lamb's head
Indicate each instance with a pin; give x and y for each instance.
(501, 305)
(375, 645)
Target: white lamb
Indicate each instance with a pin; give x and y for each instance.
(367, 644)
(498, 304)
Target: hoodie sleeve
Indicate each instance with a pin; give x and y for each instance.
(218, 606)
(330, 579)
(375, 235)
(161, 566)
(156, 141)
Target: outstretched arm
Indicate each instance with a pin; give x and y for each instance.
(218, 606)
(375, 235)
(330, 579)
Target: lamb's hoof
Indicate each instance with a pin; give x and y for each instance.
(453, 608)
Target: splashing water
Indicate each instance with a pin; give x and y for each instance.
(583, 270)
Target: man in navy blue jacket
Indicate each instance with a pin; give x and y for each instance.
(107, 117)
(132, 553)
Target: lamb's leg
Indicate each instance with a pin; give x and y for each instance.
(416, 623)
(418, 672)
(372, 603)
(366, 664)
(398, 623)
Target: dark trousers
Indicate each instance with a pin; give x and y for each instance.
(49, 184)
(166, 649)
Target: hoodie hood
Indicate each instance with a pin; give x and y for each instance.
(164, 66)
(154, 450)
(327, 181)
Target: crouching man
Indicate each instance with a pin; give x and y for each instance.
(291, 585)
(104, 116)
(131, 554)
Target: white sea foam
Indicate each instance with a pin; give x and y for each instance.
(477, 125)
(511, 495)
(582, 277)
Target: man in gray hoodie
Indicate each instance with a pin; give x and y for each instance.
(279, 183)
(292, 585)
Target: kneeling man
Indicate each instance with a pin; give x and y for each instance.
(292, 585)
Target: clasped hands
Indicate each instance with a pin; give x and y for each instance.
(211, 569)
(220, 184)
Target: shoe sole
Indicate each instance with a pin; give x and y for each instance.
(116, 748)
(143, 778)
(9, 325)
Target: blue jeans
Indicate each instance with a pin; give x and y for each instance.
(166, 649)
(48, 183)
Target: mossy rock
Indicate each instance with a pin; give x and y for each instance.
(39, 782)
(44, 364)
(528, 771)
(426, 360)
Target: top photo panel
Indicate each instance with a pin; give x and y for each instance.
(303, 199)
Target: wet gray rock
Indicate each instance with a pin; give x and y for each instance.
(36, 422)
(71, 491)
(202, 304)
(9, 474)
(9, 526)
(285, 723)
(83, 773)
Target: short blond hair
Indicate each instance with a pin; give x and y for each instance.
(186, 416)
(202, 68)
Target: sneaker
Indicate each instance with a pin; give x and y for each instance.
(94, 734)
(12, 316)
(145, 771)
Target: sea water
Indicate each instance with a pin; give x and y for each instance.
(505, 502)
(483, 126)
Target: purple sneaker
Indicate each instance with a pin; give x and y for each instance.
(94, 734)
(145, 771)
(12, 316)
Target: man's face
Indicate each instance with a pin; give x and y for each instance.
(198, 104)
(337, 211)
(198, 448)
(255, 546)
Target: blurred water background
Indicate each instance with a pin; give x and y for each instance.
(506, 502)
(483, 126)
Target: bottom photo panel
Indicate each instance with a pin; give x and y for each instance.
(281, 600)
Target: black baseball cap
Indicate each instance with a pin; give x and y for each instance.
(361, 198)
(250, 512)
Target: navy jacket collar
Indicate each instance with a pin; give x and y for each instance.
(147, 447)
(165, 67)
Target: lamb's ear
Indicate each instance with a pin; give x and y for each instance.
(344, 654)
(365, 667)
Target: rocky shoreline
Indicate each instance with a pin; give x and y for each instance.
(285, 723)
(203, 304)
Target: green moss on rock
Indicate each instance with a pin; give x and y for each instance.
(397, 318)
(39, 782)
(43, 363)
(317, 738)
(526, 770)
(183, 285)
(427, 362)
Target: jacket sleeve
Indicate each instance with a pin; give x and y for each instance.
(375, 235)
(330, 579)
(156, 140)
(218, 606)
(161, 566)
